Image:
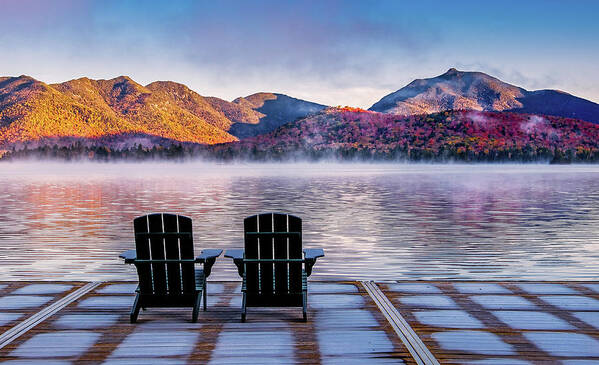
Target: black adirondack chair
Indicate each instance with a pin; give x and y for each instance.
(272, 266)
(165, 264)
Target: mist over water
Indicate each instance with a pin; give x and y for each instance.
(375, 221)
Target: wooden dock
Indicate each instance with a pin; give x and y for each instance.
(412, 322)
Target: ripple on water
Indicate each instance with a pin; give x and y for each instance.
(384, 222)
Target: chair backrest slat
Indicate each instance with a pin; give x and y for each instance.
(250, 224)
(278, 236)
(186, 250)
(281, 252)
(163, 237)
(142, 248)
(157, 252)
(294, 224)
(171, 247)
(265, 250)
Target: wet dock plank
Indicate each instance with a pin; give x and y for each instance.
(344, 326)
(20, 300)
(502, 322)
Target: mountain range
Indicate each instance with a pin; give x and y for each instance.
(33, 112)
(120, 113)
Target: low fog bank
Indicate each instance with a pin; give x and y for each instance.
(93, 170)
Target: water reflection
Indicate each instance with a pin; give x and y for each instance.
(375, 221)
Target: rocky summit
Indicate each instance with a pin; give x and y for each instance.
(461, 90)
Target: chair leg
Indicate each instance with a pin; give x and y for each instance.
(135, 309)
(205, 294)
(196, 308)
(305, 308)
(243, 309)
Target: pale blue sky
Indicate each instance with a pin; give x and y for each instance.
(333, 52)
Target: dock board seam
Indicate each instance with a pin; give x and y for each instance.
(24, 326)
(410, 339)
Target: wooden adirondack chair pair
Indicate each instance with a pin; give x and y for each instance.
(272, 267)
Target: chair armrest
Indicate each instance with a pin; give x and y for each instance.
(313, 253)
(237, 255)
(129, 256)
(310, 255)
(208, 257)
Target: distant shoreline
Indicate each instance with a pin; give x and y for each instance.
(222, 154)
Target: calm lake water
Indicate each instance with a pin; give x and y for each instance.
(384, 222)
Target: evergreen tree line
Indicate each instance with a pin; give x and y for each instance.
(244, 152)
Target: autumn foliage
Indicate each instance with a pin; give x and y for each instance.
(31, 110)
(350, 109)
(452, 135)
